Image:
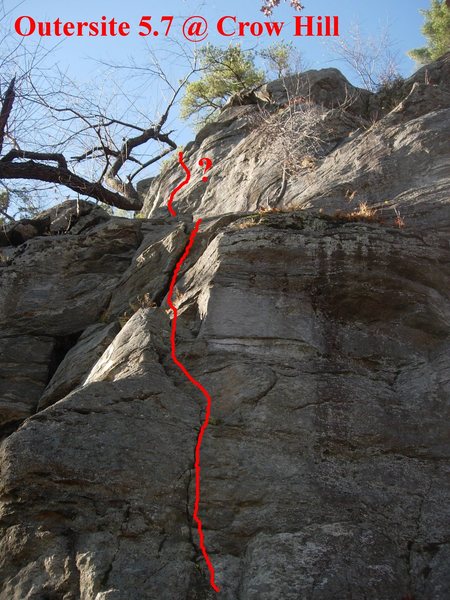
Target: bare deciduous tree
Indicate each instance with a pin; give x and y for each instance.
(372, 59)
(52, 131)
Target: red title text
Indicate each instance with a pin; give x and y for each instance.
(194, 29)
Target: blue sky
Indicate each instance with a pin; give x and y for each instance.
(402, 16)
(78, 56)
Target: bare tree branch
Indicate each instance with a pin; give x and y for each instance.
(132, 143)
(5, 214)
(52, 131)
(60, 174)
(42, 172)
(45, 156)
(150, 162)
(373, 59)
(6, 109)
(104, 151)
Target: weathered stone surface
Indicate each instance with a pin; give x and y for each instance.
(71, 216)
(400, 163)
(78, 361)
(326, 87)
(402, 166)
(52, 288)
(25, 361)
(74, 216)
(436, 73)
(60, 285)
(325, 469)
(310, 359)
(111, 527)
(151, 268)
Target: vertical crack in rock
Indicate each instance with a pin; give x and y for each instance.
(105, 579)
(200, 588)
(412, 544)
(188, 510)
(201, 576)
(71, 537)
(159, 296)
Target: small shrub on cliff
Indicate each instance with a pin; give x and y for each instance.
(295, 133)
(144, 301)
(364, 212)
(296, 136)
(282, 59)
(391, 92)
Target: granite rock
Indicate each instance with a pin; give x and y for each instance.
(322, 338)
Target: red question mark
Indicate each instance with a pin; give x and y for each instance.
(206, 163)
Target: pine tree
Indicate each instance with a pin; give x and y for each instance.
(437, 31)
(226, 72)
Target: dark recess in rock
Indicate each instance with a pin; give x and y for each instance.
(62, 345)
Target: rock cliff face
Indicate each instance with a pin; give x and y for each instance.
(320, 329)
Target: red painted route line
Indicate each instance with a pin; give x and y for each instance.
(179, 186)
(194, 381)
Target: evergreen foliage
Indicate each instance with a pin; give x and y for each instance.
(225, 72)
(437, 31)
